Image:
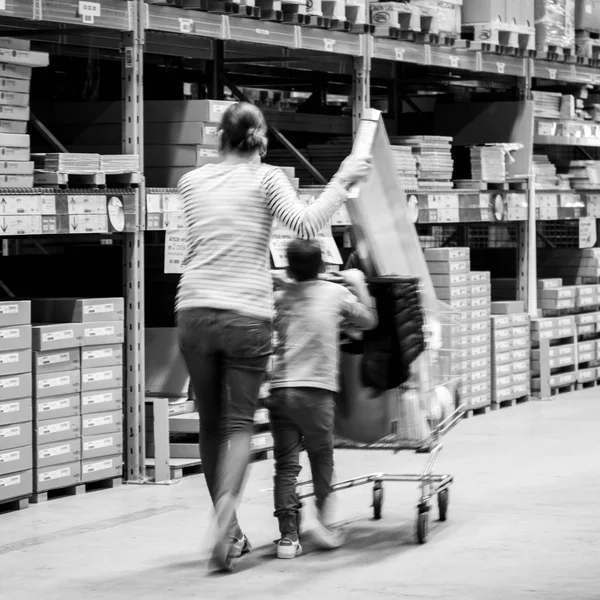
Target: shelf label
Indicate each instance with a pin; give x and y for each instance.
(88, 11)
(454, 62)
(399, 53)
(186, 25)
(501, 67)
(9, 309)
(552, 73)
(13, 479)
(329, 44)
(9, 334)
(6, 359)
(9, 408)
(262, 31)
(96, 445)
(587, 232)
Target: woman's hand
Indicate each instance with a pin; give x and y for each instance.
(354, 170)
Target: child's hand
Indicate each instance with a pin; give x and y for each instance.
(353, 278)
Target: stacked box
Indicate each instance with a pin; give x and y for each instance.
(511, 347)
(57, 403)
(16, 458)
(16, 168)
(554, 24)
(553, 353)
(100, 420)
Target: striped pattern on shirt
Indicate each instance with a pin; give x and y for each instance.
(229, 210)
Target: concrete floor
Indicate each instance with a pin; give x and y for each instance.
(523, 523)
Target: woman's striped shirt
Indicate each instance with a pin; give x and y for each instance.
(229, 210)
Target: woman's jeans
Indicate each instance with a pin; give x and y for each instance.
(226, 354)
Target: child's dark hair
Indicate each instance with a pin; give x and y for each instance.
(304, 259)
(243, 129)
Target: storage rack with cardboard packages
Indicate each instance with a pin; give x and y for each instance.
(136, 28)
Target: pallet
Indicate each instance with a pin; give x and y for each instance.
(476, 410)
(586, 385)
(556, 53)
(587, 45)
(14, 504)
(556, 391)
(421, 37)
(77, 489)
(499, 38)
(509, 403)
(185, 467)
(48, 179)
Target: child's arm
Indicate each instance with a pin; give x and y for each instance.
(359, 309)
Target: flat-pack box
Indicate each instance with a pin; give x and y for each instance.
(93, 357)
(176, 111)
(108, 444)
(450, 280)
(448, 267)
(13, 362)
(63, 383)
(15, 386)
(78, 310)
(15, 411)
(209, 134)
(447, 254)
(16, 485)
(58, 407)
(57, 453)
(15, 460)
(103, 333)
(16, 435)
(15, 337)
(15, 313)
(101, 423)
(57, 476)
(58, 430)
(101, 378)
(60, 336)
(106, 467)
(56, 361)
(102, 401)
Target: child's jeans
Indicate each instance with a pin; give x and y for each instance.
(301, 417)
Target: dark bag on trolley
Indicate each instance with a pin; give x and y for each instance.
(391, 348)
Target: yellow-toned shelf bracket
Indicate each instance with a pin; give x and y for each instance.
(133, 251)
(361, 82)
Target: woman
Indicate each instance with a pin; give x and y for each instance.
(225, 305)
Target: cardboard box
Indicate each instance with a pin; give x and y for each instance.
(549, 284)
(15, 460)
(58, 430)
(101, 356)
(95, 469)
(57, 453)
(17, 337)
(57, 384)
(500, 324)
(15, 386)
(209, 134)
(102, 378)
(15, 362)
(80, 204)
(447, 254)
(448, 267)
(450, 293)
(101, 423)
(61, 336)
(502, 358)
(451, 280)
(56, 361)
(95, 446)
(16, 435)
(78, 310)
(15, 313)
(57, 476)
(15, 411)
(480, 277)
(58, 407)
(103, 333)
(102, 401)
(16, 485)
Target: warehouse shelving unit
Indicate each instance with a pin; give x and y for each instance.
(131, 29)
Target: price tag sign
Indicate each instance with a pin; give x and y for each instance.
(552, 73)
(329, 44)
(262, 31)
(546, 128)
(175, 251)
(588, 234)
(186, 25)
(88, 11)
(501, 67)
(454, 62)
(399, 53)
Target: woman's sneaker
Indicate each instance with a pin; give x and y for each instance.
(239, 547)
(287, 548)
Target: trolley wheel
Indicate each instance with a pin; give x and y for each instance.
(422, 526)
(443, 498)
(377, 502)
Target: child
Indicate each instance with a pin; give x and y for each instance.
(309, 316)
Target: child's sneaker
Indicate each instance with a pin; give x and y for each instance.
(287, 548)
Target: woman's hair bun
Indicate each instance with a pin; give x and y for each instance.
(244, 129)
(253, 139)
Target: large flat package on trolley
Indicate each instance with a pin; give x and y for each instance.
(387, 242)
